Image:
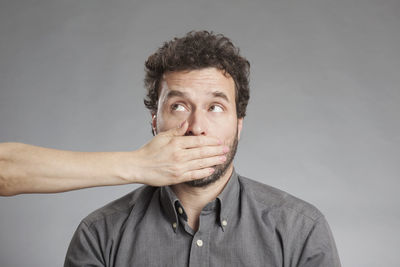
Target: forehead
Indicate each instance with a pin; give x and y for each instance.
(198, 82)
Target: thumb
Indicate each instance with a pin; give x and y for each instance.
(180, 130)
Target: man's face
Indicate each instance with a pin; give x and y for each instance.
(206, 99)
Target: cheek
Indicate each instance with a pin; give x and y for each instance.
(225, 129)
(167, 121)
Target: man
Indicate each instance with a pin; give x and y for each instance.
(200, 81)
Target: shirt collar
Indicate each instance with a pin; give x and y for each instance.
(168, 203)
(227, 200)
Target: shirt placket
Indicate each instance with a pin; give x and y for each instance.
(200, 247)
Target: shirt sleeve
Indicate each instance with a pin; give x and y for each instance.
(84, 249)
(319, 248)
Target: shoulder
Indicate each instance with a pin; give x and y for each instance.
(272, 199)
(300, 229)
(121, 208)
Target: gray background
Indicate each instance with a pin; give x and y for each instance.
(322, 124)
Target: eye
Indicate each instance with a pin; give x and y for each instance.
(216, 108)
(178, 107)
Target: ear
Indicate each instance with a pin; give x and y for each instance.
(154, 123)
(239, 125)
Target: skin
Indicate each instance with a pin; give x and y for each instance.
(199, 104)
(204, 98)
(169, 158)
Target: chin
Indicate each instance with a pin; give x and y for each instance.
(204, 182)
(220, 170)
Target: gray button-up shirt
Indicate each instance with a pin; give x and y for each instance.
(248, 224)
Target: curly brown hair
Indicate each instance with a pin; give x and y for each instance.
(198, 50)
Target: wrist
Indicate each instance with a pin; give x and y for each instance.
(128, 167)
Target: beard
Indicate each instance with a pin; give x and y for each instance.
(219, 170)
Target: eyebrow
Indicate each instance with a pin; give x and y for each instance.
(173, 93)
(222, 95)
(217, 94)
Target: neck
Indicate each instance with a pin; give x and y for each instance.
(194, 199)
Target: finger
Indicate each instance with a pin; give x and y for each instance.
(178, 131)
(204, 152)
(197, 174)
(197, 141)
(198, 164)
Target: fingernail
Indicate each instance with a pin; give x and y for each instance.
(211, 170)
(226, 149)
(223, 158)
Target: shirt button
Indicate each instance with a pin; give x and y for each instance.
(180, 210)
(199, 242)
(224, 223)
(174, 225)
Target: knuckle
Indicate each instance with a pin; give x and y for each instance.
(177, 157)
(201, 141)
(176, 172)
(174, 142)
(202, 153)
(193, 177)
(202, 164)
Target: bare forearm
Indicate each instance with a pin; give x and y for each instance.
(169, 158)
(32, 169)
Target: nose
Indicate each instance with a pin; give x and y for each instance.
(197, 123)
